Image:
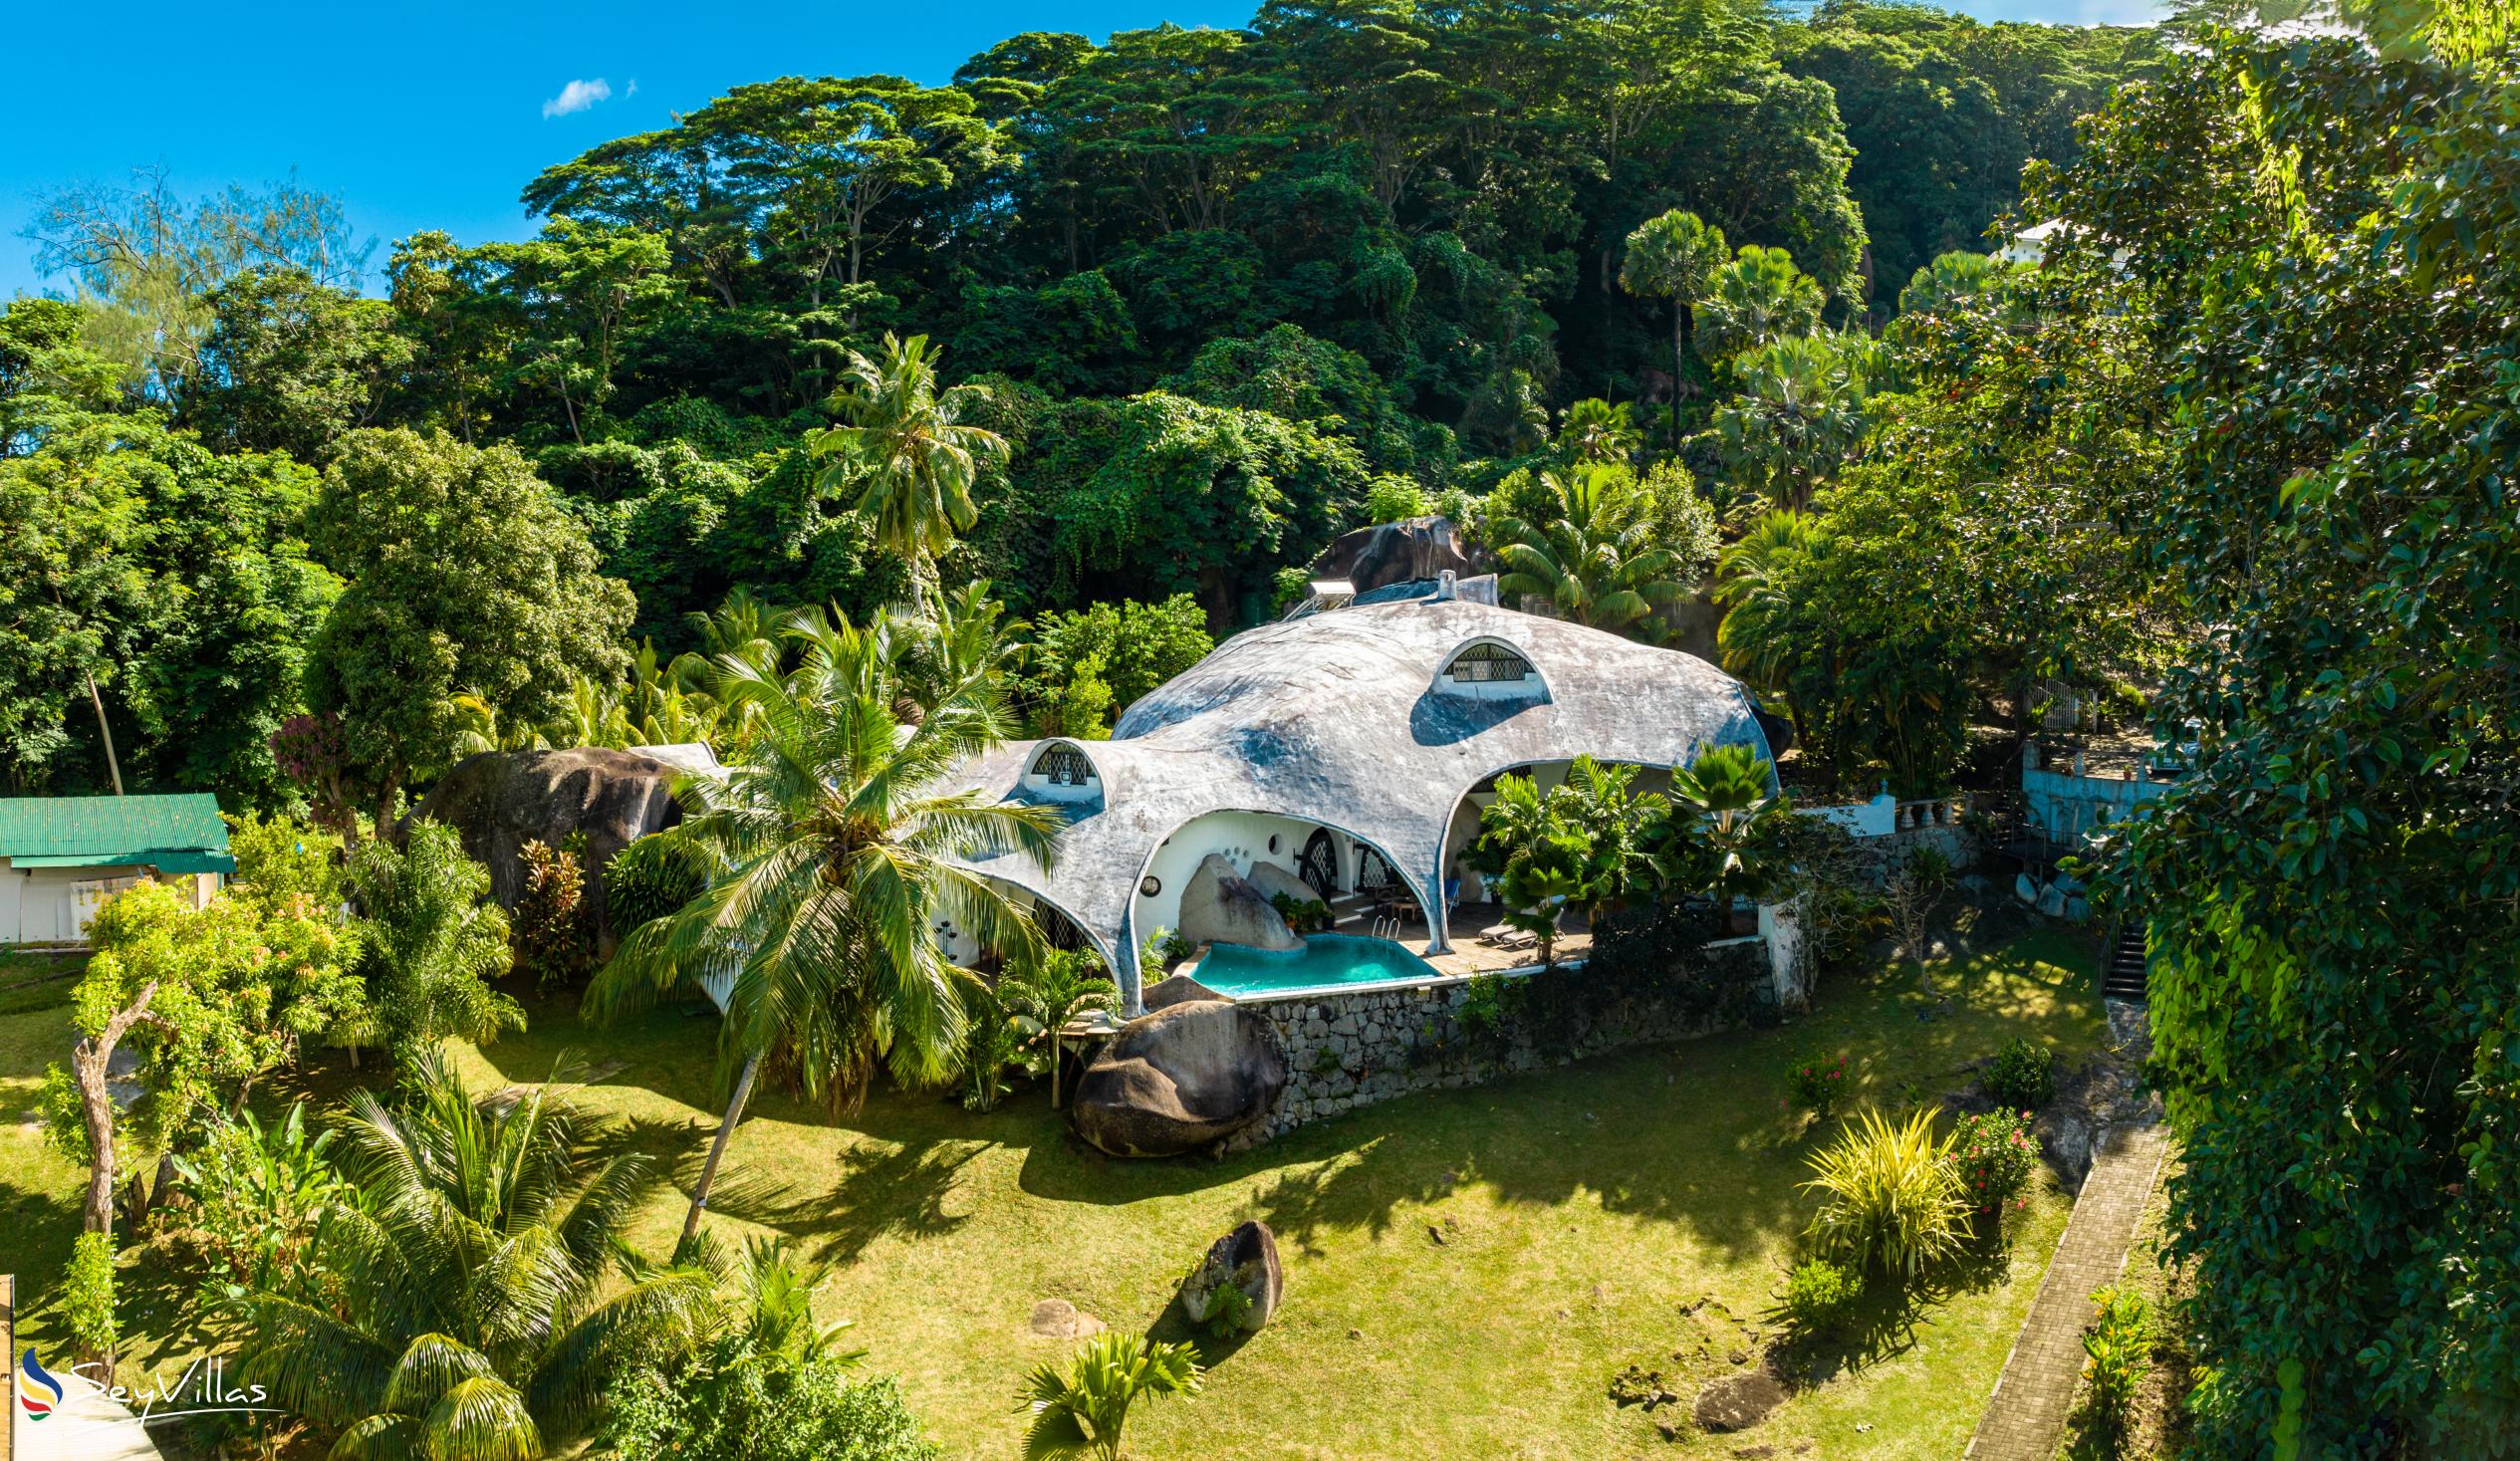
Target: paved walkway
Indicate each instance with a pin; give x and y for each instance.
(2025, 1417)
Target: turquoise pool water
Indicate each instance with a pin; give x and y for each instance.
(1326, 961)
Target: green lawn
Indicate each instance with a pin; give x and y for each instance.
(1578, 1209)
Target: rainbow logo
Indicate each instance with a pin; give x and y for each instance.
(38, 1391)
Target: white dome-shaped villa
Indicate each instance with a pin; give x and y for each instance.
(1350, 750)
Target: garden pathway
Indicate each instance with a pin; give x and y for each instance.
(2025, 1417)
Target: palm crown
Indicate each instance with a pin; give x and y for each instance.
(1596, 561)
(836, 853)
(466, 1316)
(906, 448)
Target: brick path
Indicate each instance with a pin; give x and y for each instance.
(2025, 1417)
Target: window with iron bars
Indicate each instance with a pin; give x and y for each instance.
(1064, 765)
(1489, 663)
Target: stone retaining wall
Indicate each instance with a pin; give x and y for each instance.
(1350, 1048)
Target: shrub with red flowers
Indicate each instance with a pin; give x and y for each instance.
(1819, 1084)
(1993, 1154)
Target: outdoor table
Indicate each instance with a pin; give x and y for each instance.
(1089, 1026)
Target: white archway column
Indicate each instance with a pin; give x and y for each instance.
(1439, 917)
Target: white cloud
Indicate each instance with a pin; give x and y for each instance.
(577, 96)
(634, 90)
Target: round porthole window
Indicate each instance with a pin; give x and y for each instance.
(1273, 843)
(1149, 886)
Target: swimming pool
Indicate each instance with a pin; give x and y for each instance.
(1326, 961)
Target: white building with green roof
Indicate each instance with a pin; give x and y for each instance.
(61, 857)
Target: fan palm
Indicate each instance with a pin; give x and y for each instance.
(906, 447)
(1726, 787)
(1051, 990)
(470, 1318)
(1079, 1411)
(1597, 431)
(836, 852)
(1674, 257)
(1757, 299)
(1596, 561)
(1798, 412)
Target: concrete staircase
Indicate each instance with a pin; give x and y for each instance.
(2126, 975)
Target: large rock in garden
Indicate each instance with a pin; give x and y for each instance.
(1180, 1079)
(1245, 1259)
(1220, 906)
(1172, 990)
(1272, 880)
(499, 801)
(1396, 552)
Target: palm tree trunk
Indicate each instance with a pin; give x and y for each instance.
(105, 730)
(717, 1149)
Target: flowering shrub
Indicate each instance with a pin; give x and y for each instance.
(1819, 1084)
(1992, 1155)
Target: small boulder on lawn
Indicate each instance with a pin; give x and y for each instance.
(1737, 1401)
(1245, 1259)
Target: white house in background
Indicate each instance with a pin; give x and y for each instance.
(61, 857)
(1351, 749)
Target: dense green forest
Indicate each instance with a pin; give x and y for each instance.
(1223, 293)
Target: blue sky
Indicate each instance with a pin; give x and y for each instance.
(434, 117)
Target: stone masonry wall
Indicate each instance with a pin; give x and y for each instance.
(1349, 1050)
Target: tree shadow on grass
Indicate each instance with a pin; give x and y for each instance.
(883, 1188)
(1660, 1133)
(1881, 1325)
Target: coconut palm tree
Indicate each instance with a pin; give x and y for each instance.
(905, 449)
(834, 851)
(467, 1314)
(1674, 257)
(1079, 1411)
(1596, 561)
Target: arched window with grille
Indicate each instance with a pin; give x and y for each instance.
(1488, 664)
(1063, 765)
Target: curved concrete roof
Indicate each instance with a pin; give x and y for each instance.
(1333, 719)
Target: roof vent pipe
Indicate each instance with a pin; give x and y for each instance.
(1443, 587)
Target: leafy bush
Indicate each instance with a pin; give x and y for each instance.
(259, 1194)
(1482, 1013)
(651, 879)
(1818, 1294)
(1303, 915)
(2117, 1352)
(740, 1401)
(1391, 499)
(1227, 1308)
(2023, 1075)
(1819, 1084)
(87, 1297)
(1992, 1155)
(1894, 1198)
(1164, 949)
(554, 935)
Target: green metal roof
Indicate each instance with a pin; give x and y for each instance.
(179, 832)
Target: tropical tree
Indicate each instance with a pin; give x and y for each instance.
(1597, 560)
(836, 849)
(431, 941)
(1724, 796)
(1754, 637)
(1758, 299)
(1052, 989)
(1594, 430)
(470, 1310)
(907, 450)
(1079, 1411)
(1799, 412)
(1674, 257)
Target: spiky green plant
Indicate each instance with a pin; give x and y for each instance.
(1893, 1199)
(472, 1313)
(651, 879)
(1079, 1411)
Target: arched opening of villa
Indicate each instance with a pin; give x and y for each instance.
(1468, 899)
(1296, 855)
